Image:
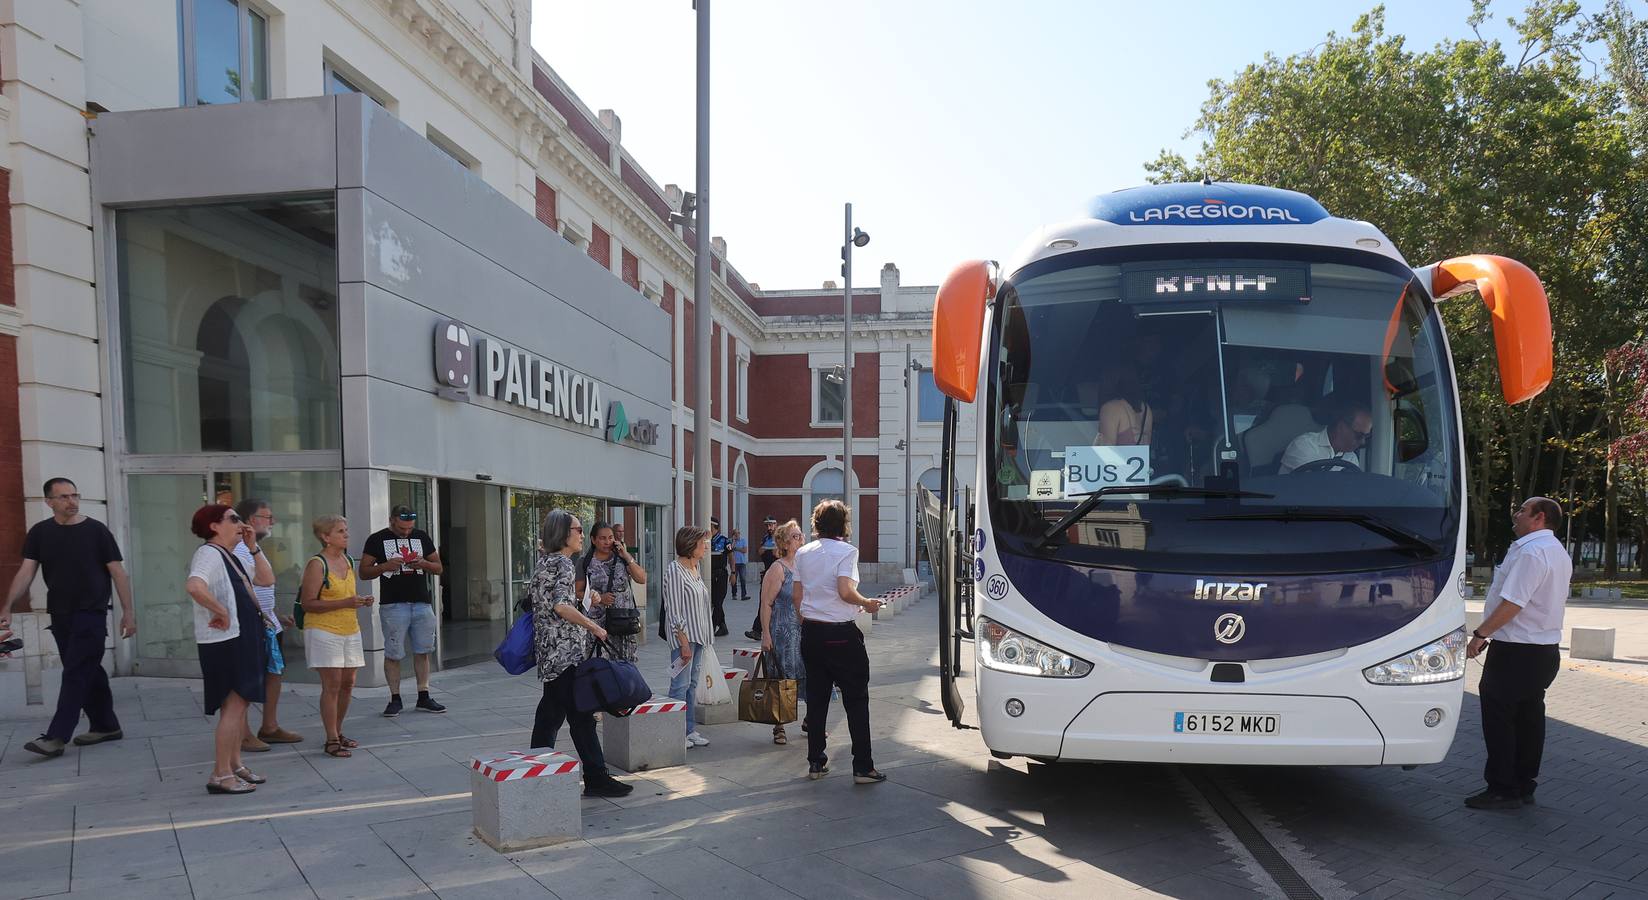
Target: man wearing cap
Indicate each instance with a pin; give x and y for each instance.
(718, 576)
(402, 557)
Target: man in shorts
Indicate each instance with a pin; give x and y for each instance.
(402, 557)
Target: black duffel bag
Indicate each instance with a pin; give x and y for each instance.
(603, 684)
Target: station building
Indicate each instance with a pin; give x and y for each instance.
(349, 254)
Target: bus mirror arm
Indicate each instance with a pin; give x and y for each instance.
(1519, 310)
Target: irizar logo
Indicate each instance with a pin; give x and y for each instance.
(1212, 209)
(1229, 628)
(1230, 591)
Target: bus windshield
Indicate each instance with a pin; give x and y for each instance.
(1250, 409)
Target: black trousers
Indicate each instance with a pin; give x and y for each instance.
(1512, 690)
(718, 596)
(554, 708)
(833, 655)
(79, 637)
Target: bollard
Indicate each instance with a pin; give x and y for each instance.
(526, 799)
(1590, 642)
(864, 619)
(745, 657)
(889, 608)
(721, 713)
(647, 738)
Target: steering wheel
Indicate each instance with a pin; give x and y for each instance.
(1331, 464)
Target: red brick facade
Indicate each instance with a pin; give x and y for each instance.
(631, 272)
(600, 246)
(544, 201)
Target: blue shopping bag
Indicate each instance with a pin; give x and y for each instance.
(516, 654)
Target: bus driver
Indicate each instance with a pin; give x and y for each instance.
(1350, 429)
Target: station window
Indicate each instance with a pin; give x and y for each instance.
(929, 402)
(827, 393)
(225, 46)
(743, 383)
(335, 79)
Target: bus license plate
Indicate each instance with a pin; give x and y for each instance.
(1226, 723)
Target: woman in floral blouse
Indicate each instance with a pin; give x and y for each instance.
(561, 636)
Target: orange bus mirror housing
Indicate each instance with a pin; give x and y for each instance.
(958, 328)
(1520, 312)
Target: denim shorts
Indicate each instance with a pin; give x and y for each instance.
(403, 619)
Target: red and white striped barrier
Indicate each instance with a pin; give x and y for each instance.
(744, 658)
(516, 765)
(659, 706)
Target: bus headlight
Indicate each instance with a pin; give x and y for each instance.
(1440, 660)
(1005, 650)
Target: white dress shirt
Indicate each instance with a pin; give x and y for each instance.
(1310, 447)
(817, 565)
(1534, 576)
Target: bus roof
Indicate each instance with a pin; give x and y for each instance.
(1200, 212)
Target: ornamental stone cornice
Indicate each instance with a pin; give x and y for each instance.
(450, 40)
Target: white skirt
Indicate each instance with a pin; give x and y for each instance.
(325, 650)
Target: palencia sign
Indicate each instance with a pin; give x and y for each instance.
(511, 375)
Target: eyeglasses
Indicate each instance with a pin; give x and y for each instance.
(1362, 436)
(408, 517)
(232, 517)
(578, 528)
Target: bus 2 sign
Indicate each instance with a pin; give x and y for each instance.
(1087, 469)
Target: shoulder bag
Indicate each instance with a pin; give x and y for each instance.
(767, 700)
(607, 684)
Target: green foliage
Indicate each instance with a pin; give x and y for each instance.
(1472, 146)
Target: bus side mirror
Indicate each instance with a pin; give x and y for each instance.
(1521, 316)
(958, 328)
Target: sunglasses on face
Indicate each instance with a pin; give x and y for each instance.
(408, 517)
(232, 519)
(1363, 435)
(578, 528)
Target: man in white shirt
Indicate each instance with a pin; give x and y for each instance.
(1523, 619)
(832, 647)
(256, 513)
(1350, 429)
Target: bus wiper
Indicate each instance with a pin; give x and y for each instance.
(1402, 537)
(1091, 499)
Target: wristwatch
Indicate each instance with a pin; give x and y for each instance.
(256, 550)
(1478, 635)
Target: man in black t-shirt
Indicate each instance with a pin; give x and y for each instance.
(80, 560)
(402, 557)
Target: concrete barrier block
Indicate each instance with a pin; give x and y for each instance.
(1590, 642)
(1481, 571)
(888, 609)
(1473, 620)
(721, 713)
(744, 658)
(648, 738)
(524, 799)
(864, 621)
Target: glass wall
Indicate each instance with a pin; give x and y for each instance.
(477, 599)
(229, 327)
(161, 506)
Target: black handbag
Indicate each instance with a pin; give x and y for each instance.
(623, 621)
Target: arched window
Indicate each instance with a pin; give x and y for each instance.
(826, 485)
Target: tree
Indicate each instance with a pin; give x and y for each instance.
(1473, 146)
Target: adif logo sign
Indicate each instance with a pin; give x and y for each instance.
(620, 428)
(1212, 209)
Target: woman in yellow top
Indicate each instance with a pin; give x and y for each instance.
(331, 631)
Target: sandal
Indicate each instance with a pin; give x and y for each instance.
(335, 748)
(249, 776)
(779, 736)
(348, 743)
(217, 786)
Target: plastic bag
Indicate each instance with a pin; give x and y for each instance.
(712, 681)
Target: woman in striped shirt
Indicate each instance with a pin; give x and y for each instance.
(687, 618)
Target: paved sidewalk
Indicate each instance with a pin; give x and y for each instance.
(131, 819)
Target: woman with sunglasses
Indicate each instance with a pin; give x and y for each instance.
(230, 637)
(331, 629)
(561, 635)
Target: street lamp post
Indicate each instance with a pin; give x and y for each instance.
(910, 367)
(852, 237)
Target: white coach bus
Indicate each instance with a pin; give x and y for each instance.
(1218, 510)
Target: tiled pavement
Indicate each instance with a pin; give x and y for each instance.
(131, 819)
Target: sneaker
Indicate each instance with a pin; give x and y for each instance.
(698, 740)
(1528, 799)
(426, 704)
(690, 744)
(1492, 799)
(45, 746)
(250, 744)
(607, 786)
(753, 635)
(720, 632)
(393, 709)
(816, 771)
(98, 737)
(870, 777)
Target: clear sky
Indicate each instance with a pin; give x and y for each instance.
(955, 127)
